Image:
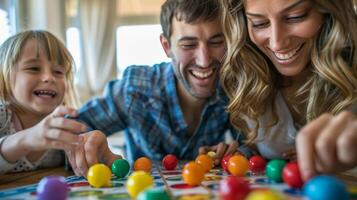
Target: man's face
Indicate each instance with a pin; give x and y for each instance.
(196, 51)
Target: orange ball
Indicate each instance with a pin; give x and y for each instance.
(143, 164)
(238, 165)
(205, 161)
(193, 173)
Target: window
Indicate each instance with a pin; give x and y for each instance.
(4, 26)
(73, 45)
(139, 45)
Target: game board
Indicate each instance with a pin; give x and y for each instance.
(170, 180)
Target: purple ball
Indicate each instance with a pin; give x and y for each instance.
(52, 187)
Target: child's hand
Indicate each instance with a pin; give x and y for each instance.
(221, 150)
(55, 132)
(94, 149)
(327, 144)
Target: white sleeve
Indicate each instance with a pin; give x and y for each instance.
(5, 166)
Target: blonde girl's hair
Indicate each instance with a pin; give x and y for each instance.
(10, 52)
(251, 81)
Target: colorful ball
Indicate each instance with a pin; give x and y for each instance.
(169, 162)
(260, 194)
(274, 170)
(137, 182)
(52, 187)
(291, 175)
(205, 161)
(153, 194)
(143, 164)
(326, 188)
(238, 165)
(234, 188)
(120, 168)
(224, 162)
(193, 173)
(257, 164)
(99, 175)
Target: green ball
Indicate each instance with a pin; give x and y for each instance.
(274, 170)
(120, 168)
(153, 194)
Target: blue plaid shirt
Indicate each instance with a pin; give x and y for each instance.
(144, 104)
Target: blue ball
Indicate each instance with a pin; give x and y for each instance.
(52, 187)
(325, 188)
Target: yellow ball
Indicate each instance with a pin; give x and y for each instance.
(212, 154)
(137, 182)
(99, 175)
(264, 194)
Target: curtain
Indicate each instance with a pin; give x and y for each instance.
(97, 21)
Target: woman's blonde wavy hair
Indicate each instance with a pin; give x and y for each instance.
(10, 52)
(252, 82)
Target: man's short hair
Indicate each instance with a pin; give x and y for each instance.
(189, 11)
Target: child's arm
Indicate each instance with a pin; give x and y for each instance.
(94, 149)
(53, 132)
(327, 144)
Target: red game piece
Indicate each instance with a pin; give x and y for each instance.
(169, 162)
(291, 175)
(257, 164)
(238, 165)
(234, 188)
(224, 162)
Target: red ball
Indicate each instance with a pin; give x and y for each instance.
(224, 162)
(234, 188)
(257, 164)
(169, 162)
(291, 175)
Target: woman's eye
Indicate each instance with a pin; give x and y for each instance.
(296, 18)
(260, 25)
(33, 69)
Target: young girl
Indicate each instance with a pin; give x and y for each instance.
(36, 78)
(288, 62)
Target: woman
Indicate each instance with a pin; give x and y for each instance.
(289, 62)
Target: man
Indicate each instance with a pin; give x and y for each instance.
(169, 108)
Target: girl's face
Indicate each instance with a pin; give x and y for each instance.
(284, 30)
(38, 84)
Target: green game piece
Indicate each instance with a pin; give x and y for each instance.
(274, 170)
(153, 194)
(120, 168)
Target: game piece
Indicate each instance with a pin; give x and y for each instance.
(211, 154)
(137, 182)
(193, 173)
(234, 188)
(291, 175)
(99, 175)
(238, 165)
(274, 170)
(224, 162)
(143, 164)
(326, 188)
(120, 168)
(52, 187)
(169, 162)
(265, 194)
(153, 194)
(205, 161)
(257, 164)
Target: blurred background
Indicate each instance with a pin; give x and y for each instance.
(104, 37)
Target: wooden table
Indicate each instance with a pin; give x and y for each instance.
(25, 178)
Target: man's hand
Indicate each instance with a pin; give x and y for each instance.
(221, 150)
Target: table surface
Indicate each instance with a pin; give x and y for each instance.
(12, 180)
(25, 178)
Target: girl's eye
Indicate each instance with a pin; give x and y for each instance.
(260, 25)
(296, 18)
(33, 69)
